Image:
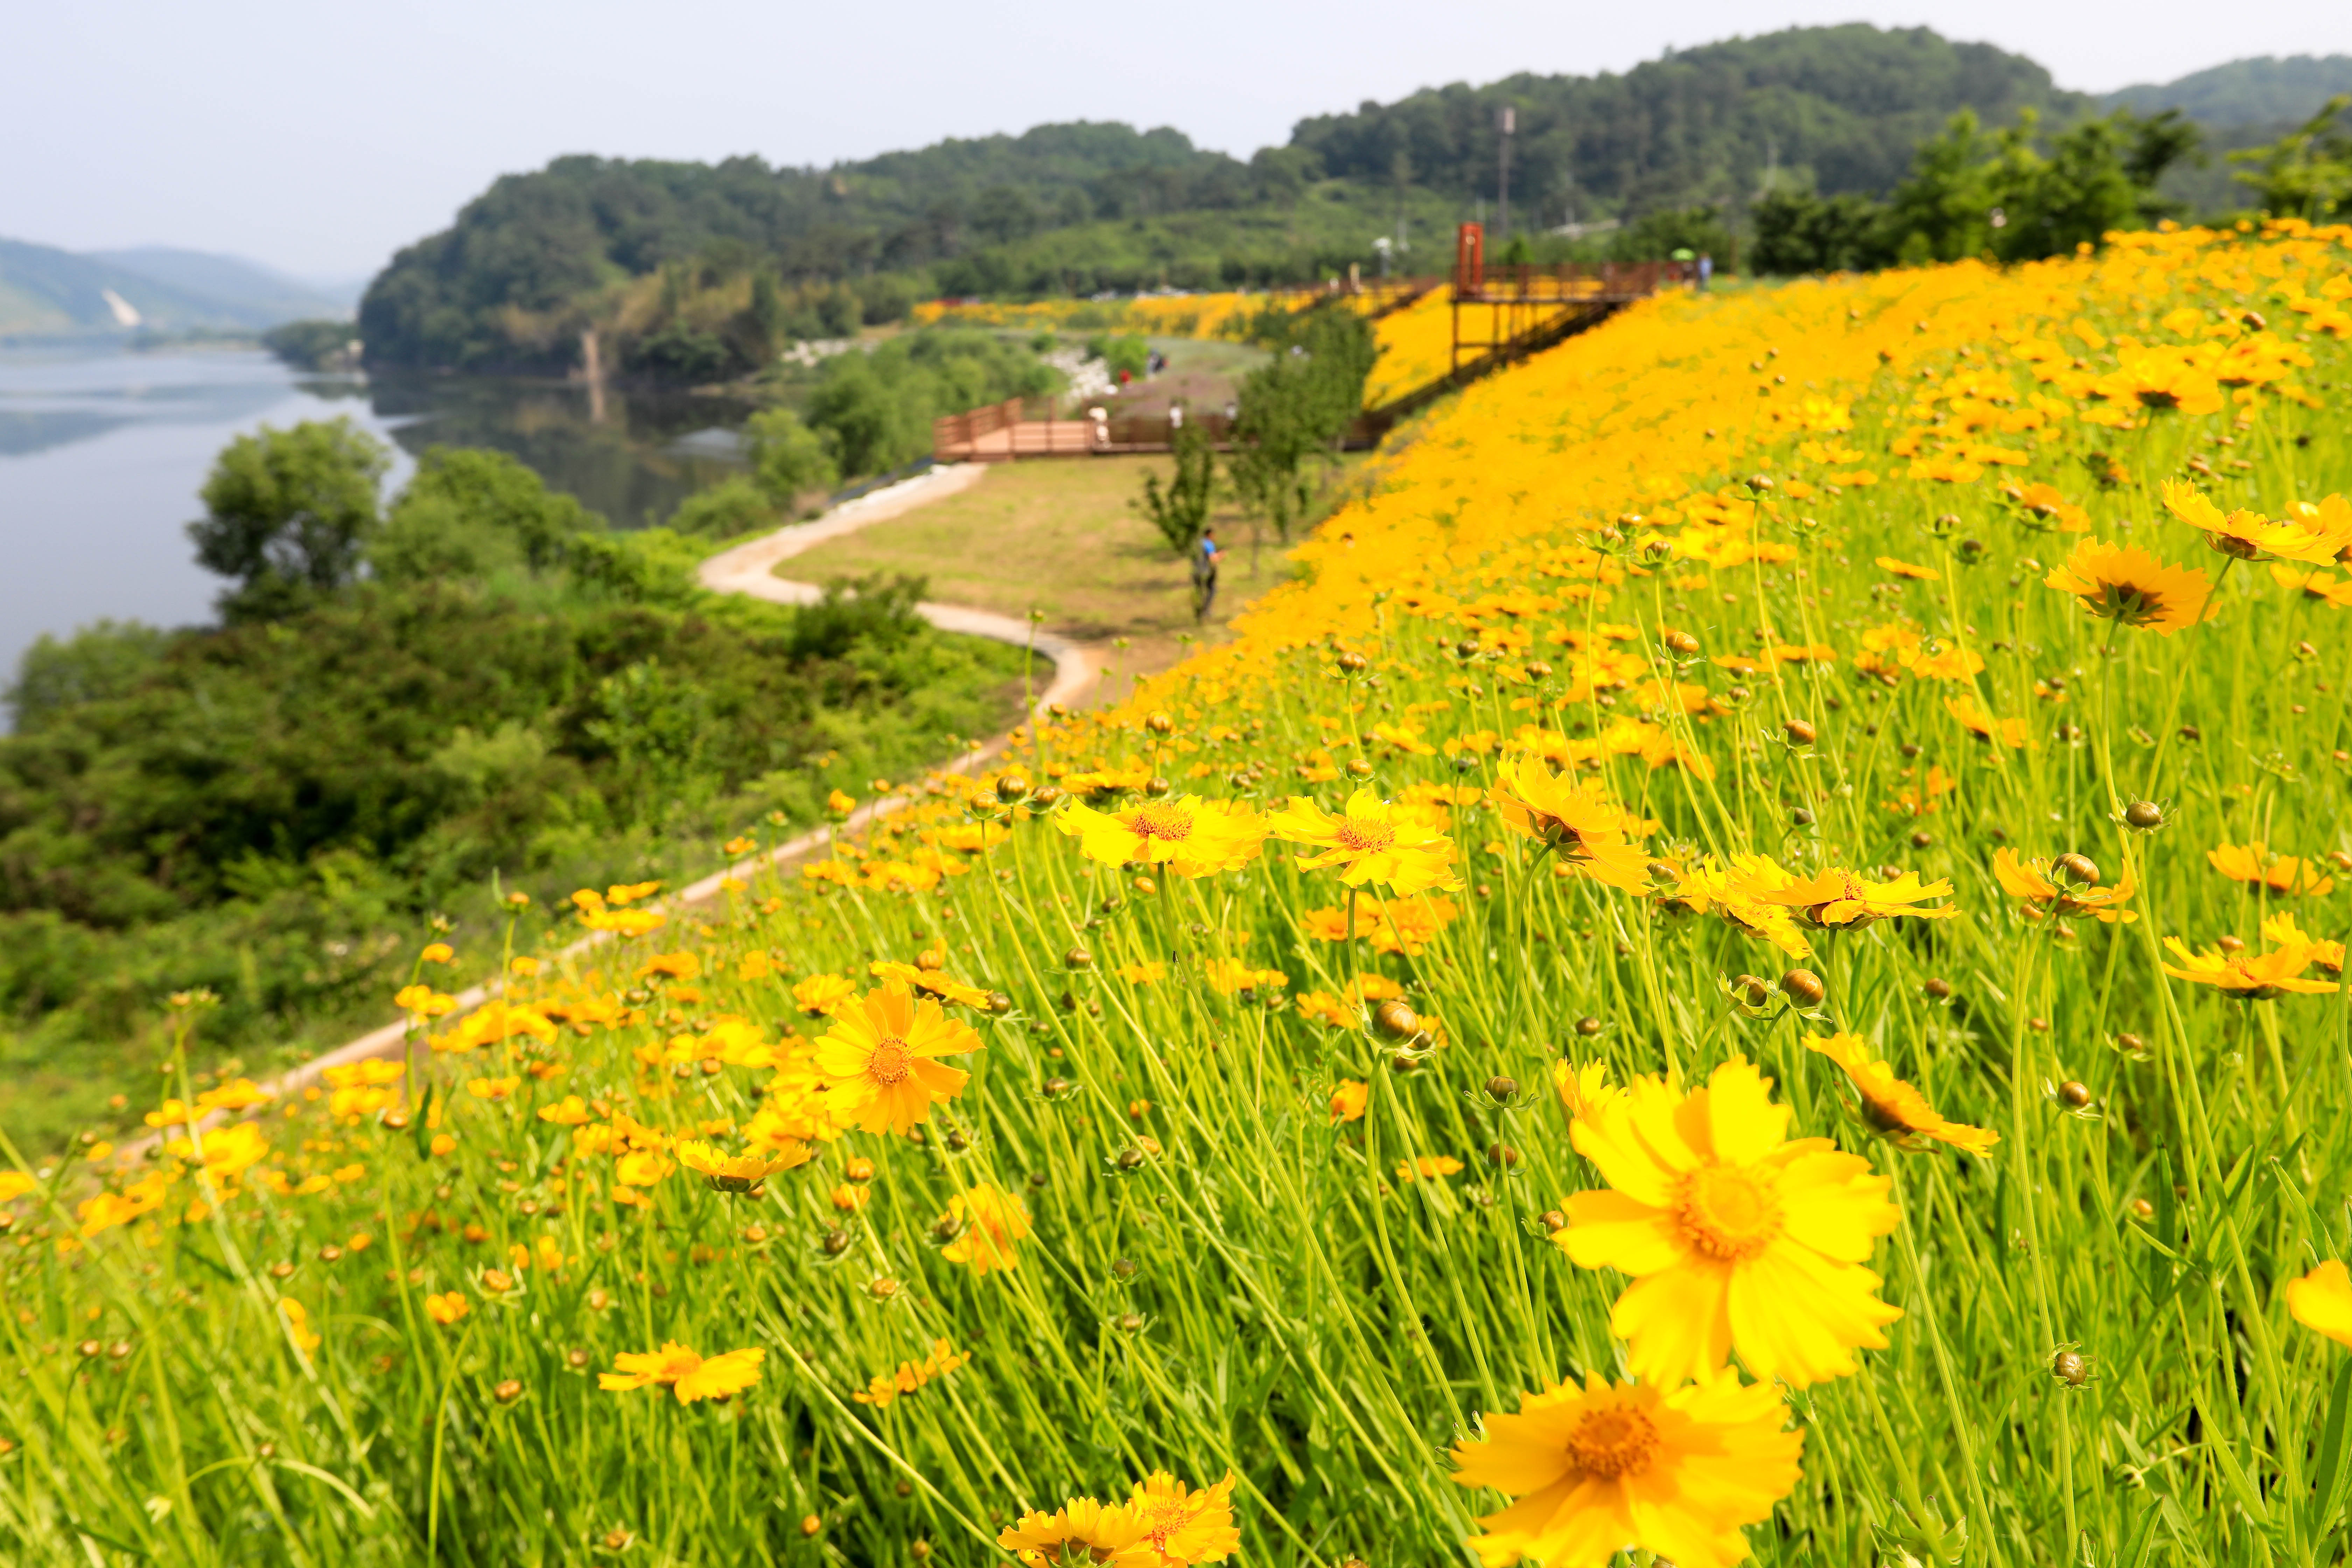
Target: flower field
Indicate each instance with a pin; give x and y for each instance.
(1747, 962)
(1416, 348)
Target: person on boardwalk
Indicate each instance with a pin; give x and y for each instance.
(1204, 575)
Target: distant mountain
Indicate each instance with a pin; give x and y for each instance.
(264, 297)
(45, 293)
(2264, 90)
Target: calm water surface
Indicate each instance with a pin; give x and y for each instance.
(102, 453)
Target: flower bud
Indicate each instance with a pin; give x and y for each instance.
(1352, 664)
(1077, 958)
(508, 1392)
(2144, 814)
(1588, 1026)
(1158, 723)
(1800, 731)
(1396, 1020)
(1501, 1088)
(1938, 989)
(1682, 643)
(2069, 1368)
(2076, 1095)
(1803, 987)
(2082, 868)
(1011, 786)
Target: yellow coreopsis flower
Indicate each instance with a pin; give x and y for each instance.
(2322, 1301)
(738, 1172)
(2249, 534)
(1893, 1106)
(1839, 896)
(1349, 1098)
(685, 1374)
(1081, 1530)
(819, 995)
(2247, 976)
(1741, 894)
(2118, 583)
(879, 1060)
(1591, 834)
(929, 980)
(1190, 837)
(1183, 1525)
(2033, 881)
(1624, 1467)
(989, 1221)
(448, 1308)
(1738, 1242)
(2283, 874)
(1372, 840)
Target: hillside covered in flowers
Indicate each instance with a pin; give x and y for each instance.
(1747, 962)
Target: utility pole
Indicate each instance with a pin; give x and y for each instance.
(1510, 119)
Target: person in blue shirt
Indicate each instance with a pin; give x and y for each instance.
(1204, 575)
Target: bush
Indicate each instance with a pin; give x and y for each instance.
(788, 458)
(734, 507)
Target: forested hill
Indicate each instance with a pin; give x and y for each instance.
(694, 265)
(1836, 108)
(527, 258)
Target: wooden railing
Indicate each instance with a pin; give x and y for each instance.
(1007, 431)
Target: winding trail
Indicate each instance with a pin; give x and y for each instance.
(750, 569)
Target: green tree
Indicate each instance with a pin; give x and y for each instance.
(788, 458)
(468, 513)
(2307, 173)
(1179, 509)
(288, 514)
(1943, 211)
(1293, 411)
(1797, 231)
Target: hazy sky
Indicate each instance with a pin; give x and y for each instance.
(319, 137)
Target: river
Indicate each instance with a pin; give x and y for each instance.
(102, 453)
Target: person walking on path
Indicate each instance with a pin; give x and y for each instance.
(1204, 575)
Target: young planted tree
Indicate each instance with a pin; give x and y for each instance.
(1294, 410)
(1179, 509)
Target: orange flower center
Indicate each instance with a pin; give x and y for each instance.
(1163, 1519)
(1726, 1213)
(1613, 1443)
(1159, 821)
(1358, 836)
(890, 1063)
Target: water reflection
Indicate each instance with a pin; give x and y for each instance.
(632, 458)
(102, 454)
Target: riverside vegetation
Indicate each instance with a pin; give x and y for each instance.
(510, 697)
(1747, 962)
